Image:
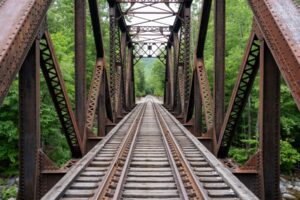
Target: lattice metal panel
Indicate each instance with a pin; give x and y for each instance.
(150, 50)
(240, 95)
(184, 59)
(59, 96)
(115, 59)
(112, 71)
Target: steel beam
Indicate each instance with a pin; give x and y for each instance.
(178, 20)
(198, 108)
(19, 22)
(206, 96)
(168, 79)
(177, 102)
(116, 61)
(94, 12)
(29, 125)
(279, 23)
(133, 85)
(190, 108)
(80, 64)
(166, 84)
(269, 124)
(240, 94)
(142, 29)
(57, 89)
(108, 103)
(95, 90)
(205, 13)
(128, 83)
(171, 75)
(219, 72)
(184, 60)
(124, 49)
(102, 113)
(113, 34)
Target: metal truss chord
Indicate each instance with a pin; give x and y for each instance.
(21, 28)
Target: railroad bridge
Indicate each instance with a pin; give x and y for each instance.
(149, 150)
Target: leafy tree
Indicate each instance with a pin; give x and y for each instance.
(139, 78)
(289, 157)
(157, 79)
(9, 132)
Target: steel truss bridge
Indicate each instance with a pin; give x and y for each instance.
(149, 150)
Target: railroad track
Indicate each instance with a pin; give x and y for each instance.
(86, 175)
(149, 155)
(217, 181)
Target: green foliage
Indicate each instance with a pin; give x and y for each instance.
(9, 132)
(139, 78)
(9, 192)
(155, 83)
(158, 78)
(242, 154)
(289, 157)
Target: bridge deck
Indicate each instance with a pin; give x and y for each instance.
(149, 154)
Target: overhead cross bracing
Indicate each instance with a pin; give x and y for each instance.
(149, 25)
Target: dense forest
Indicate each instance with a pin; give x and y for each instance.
(149, 77)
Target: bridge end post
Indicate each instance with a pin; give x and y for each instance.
(80, 66)
(29, 124)
(269, 124)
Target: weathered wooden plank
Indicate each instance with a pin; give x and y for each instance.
(150, 174)
(150, 179)
(148, 186)
(151, 193)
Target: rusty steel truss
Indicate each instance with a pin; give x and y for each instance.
(273, 49)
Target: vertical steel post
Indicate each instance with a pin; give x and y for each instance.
(128, 92)
(187, 46)
(177, 107)
(171, 76)
(115, 63)
(112, 70)
(219, 56)
(167, 81)
(102, 107)
(29, 125)
(269, 124)
(184, 60)
(123, 71)
(132, 82)
(80, 64)
(198, 107)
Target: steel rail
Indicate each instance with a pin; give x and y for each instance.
(197, 187)
(178, 179)
(130, 139)
(234, 183)
(61, 186)
(126, 166)
(179, 182)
